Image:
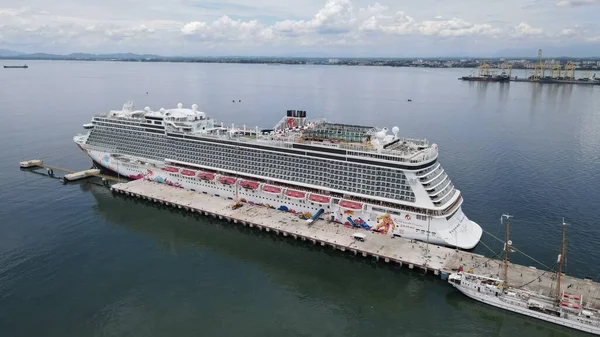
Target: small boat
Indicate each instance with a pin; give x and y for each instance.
(171, 169)
(227, 180)
(271, 189)
(295, 194)
(350, 204)
(188, 173)
(321, 199)
(206, 176)
(249, 184)
(22, 67)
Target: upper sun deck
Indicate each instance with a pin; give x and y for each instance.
(294, 132)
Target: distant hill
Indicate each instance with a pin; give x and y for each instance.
(9, 53)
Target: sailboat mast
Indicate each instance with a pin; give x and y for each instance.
(506, 249)
(561, 260)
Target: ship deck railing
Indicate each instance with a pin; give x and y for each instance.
(357, 150)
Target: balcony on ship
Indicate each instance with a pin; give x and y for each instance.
(424, 173)
(434, 190)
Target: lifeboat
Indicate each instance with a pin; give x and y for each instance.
(573, 296)
(188, 173)
(206, 176)
(570, 305)
(227, 180)
(249, 184)
(321, 199)
(271, 189)
(295, 194)
(350, 204)
(171, 169)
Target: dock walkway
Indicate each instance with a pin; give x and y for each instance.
(403, 252)
(39, 164)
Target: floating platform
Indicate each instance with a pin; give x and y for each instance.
(31, 163)
(554, 81)
(515, 79)
(437, 260)
(81, 174)
(70, 174)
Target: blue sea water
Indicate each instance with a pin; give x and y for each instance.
(75, 261)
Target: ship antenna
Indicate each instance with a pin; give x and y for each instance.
(507, 244)
(561, 260)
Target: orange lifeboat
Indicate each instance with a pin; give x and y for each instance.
(171, 169)
(227, 180)
(350, 204)
(271, 189)
(249, 184)
(188, 173)
(206, 176)
(295, 194)
(321, 199)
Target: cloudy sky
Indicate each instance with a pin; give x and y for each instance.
(400, 28)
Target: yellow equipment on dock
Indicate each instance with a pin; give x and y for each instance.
(236, 205)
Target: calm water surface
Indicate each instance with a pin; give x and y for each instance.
(75, 261)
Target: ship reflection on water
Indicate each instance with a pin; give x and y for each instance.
(355, 286)
(291, 262)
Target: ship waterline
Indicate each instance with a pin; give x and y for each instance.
(361, 176)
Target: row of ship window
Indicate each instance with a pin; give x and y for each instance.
(347, 169)
(342, 185)
(147, 150)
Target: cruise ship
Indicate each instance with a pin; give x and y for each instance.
(360, 176)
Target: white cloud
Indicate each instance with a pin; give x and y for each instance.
(226, 29)
(523, 29)
(335, 17)
(576, 3)
(259, 26)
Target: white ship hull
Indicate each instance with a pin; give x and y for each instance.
(520, 307)
(459, 231)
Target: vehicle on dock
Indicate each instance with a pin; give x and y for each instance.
(359, 236)
(357, 174)
(564, 308)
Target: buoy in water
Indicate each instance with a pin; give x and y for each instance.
(410, 100)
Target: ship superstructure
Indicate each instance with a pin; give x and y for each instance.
(358, 175)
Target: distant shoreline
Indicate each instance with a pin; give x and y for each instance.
(517, 63)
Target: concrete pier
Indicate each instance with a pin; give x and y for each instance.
(440, 260)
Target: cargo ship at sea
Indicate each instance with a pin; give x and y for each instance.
(487, 74)
(22, 67)
(503, 77)
(360, 176)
